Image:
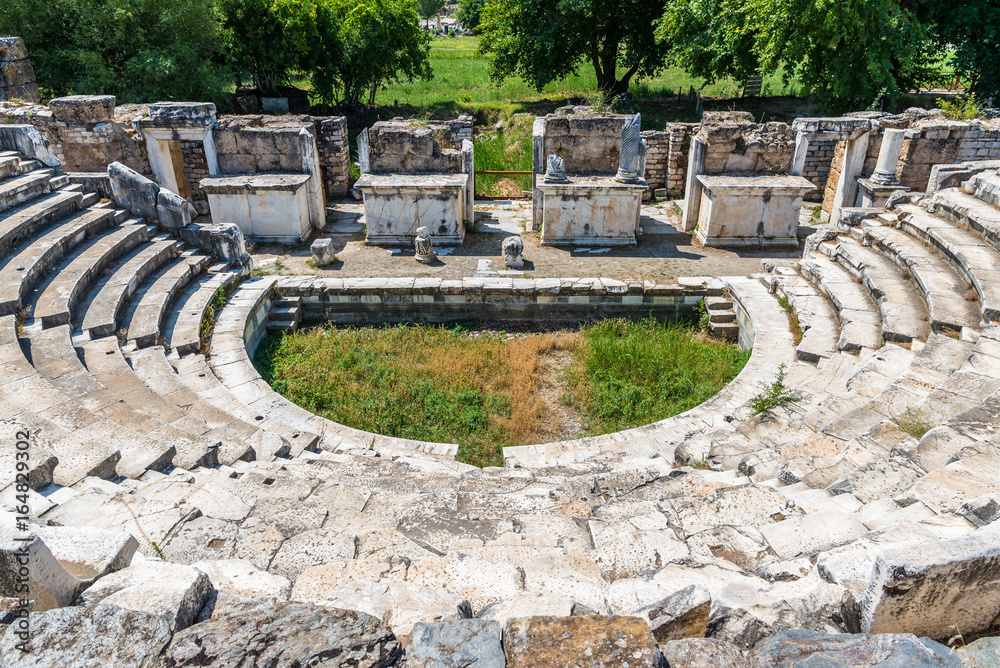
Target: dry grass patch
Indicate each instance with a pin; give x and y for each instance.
(485, 390)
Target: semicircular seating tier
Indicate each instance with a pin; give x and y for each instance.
(888, 455)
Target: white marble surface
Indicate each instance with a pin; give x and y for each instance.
(752, 211)
(590, 211)
(397, 204)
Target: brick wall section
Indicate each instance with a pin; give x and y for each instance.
(833, 177)
(335, 154)
(196, 168)
(677, 163)
(817, 168)
(657, 158)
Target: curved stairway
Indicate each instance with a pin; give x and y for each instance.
(892, 439)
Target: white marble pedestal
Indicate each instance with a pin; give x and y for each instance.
(750, 211)
(266, 207)
(590, 211)
(397, 204)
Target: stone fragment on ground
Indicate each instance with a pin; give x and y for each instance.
(935, 589)
(805, 649)
(529, 604)
(239, 576)
(87, 637)
(590, 641)
(286, 636)
(671, 614)
(705, 653)
(172, 591)
(743, 615)
(460, 642)
(89, 553)
(983, 653)
(50, 585)
(398, 604)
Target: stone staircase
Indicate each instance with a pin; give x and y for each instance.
(717, 520)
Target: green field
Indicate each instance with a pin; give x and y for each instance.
(462, 85)
(488, 389)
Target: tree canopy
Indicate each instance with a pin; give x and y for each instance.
(137, 50)
(469, 12)
(545, 40)
(428, 9)
(971, 30)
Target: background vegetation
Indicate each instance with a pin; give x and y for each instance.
(360, 53)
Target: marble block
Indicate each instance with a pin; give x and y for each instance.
(397, 204)
(755, 211)
(590, 210)
(267, 207)
(872, 194)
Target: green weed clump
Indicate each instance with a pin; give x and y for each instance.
(915, 422)
(772, 394)
(961, 109)
(632, 373)
(794, 326)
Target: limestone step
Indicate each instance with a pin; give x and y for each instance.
(817, 319)
(974, 258)
(195, 373)
(149, 305)
(21, 221)
(860, 320)
(286, 314)
(99, 310)
(93, 446)
(9, 165)
(57, 295)
(951, 302)
(21, 267)
(151, 365)
(182, 327)
(904, 313)
(20, 189)
(960, 207)
(928, 375)
(104, 360)
(53, 355)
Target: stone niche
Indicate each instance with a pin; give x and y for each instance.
(590, 210)
(590, 207)
(750, 211)
(416, 174)
(267, 207)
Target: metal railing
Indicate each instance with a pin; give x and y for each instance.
(497, 172)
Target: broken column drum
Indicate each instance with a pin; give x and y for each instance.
(876, 190)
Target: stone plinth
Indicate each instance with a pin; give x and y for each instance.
(397, 204)
(590, 210)
(271, 207)
(873, 194)
(757, 211)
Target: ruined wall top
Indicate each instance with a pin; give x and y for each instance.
(416, 147)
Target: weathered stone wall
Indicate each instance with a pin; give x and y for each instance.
(748, 148)
(17, 76)
(817, 167)
(588, 143)
(418, 147)
(87, 133)
(86, 136)
(252, 144)
(657, 158)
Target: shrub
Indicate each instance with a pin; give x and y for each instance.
(960, 109)
(772, 394)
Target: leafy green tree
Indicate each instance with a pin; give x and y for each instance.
(970, 30)
(428, 9)
(366, 45)
(269, 39)
(547, 40)
(855, 53)
(137, 50)
(469, 12)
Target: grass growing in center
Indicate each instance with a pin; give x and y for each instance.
(632, 373)
(481, 390)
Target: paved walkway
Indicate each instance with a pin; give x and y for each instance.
(663, 253)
